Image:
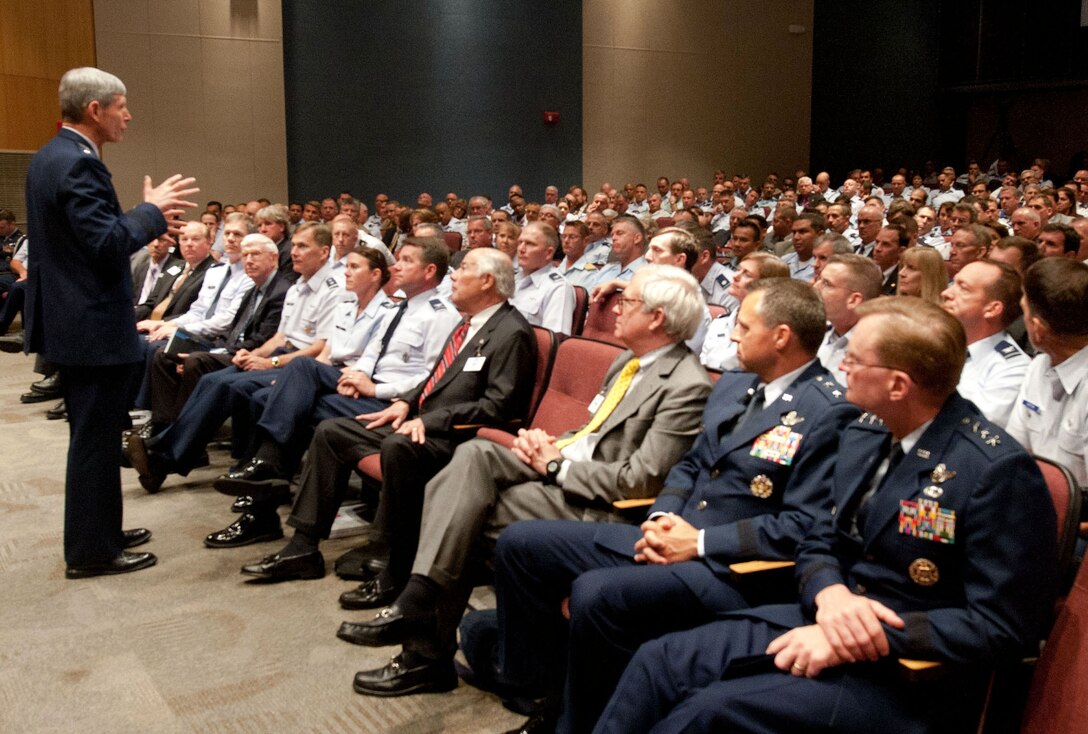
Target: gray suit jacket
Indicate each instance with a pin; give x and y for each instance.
(648, 432)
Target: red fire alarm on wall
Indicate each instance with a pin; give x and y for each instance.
(551, 118)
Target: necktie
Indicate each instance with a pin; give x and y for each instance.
(150, 280)
(388, 335)
(222, 287)
(453, 346)
(753, 405)
(159, 310)
(893, 455)
(241, 324)
(615, 395)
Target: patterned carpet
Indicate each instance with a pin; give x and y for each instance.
(189, 645)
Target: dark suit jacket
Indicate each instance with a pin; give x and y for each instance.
(980, 597)
(891, 283)
(139, 271)
(495, 395)
(79, 292)
(717, 485)
(266, 321)
(186, 294)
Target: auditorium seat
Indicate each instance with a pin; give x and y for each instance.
(453, 241)
(1058, 698)
(546, 343)
(576, 377)
(581, 304)
(600, 320)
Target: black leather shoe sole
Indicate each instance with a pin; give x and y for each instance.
(124, 563)
(34, 397)
(258, 489)
(140, 458)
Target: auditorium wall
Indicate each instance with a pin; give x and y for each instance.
(205, 87)
(437, 96)
(685, 87)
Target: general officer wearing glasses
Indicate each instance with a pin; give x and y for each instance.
(940, 545)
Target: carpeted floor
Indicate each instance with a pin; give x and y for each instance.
(186, 646)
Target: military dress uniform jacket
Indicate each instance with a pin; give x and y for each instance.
(79, 292)
(959, 541)
(755, 490)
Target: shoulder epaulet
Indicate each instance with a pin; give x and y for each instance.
(217, 265)
(830, 388)
(1007, 349)
(390, 304)
(555, 276)
(981, 431)
(870, 419)
(331, 282)
(722, 280)
(437, 304)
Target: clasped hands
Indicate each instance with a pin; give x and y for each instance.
(536, 448)
(848, 629)
(355, 384)
(667, 538)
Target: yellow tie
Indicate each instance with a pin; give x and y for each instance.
(615, 395)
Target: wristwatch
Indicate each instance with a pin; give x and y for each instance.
(275, 361)
(551, 471)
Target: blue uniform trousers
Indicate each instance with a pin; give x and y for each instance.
(615, 606)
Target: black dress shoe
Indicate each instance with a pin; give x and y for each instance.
(390, 626)
(245, 530)
(124, 563)
(11, 344)
(246, 502)
(47, 386)
(406, 674)
(257, 478)
(284, 568)
(58, 411)
(543, 722)
(36, 397)
(370, 595)
(147, 464)
(135, 537)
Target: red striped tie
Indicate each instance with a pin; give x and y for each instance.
(453, 346)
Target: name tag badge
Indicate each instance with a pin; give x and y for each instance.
(596, 403)
(474, 364)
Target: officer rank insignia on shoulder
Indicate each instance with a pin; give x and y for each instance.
(1006, 350)
(722, 280)
(555, 276)
(870, 419)
(990, 438)
(437, 305)
(832, 387)
(331, 282)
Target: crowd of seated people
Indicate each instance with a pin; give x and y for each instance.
(852, 378)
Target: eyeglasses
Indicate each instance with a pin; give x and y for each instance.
(851, 362)
(625, 302)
